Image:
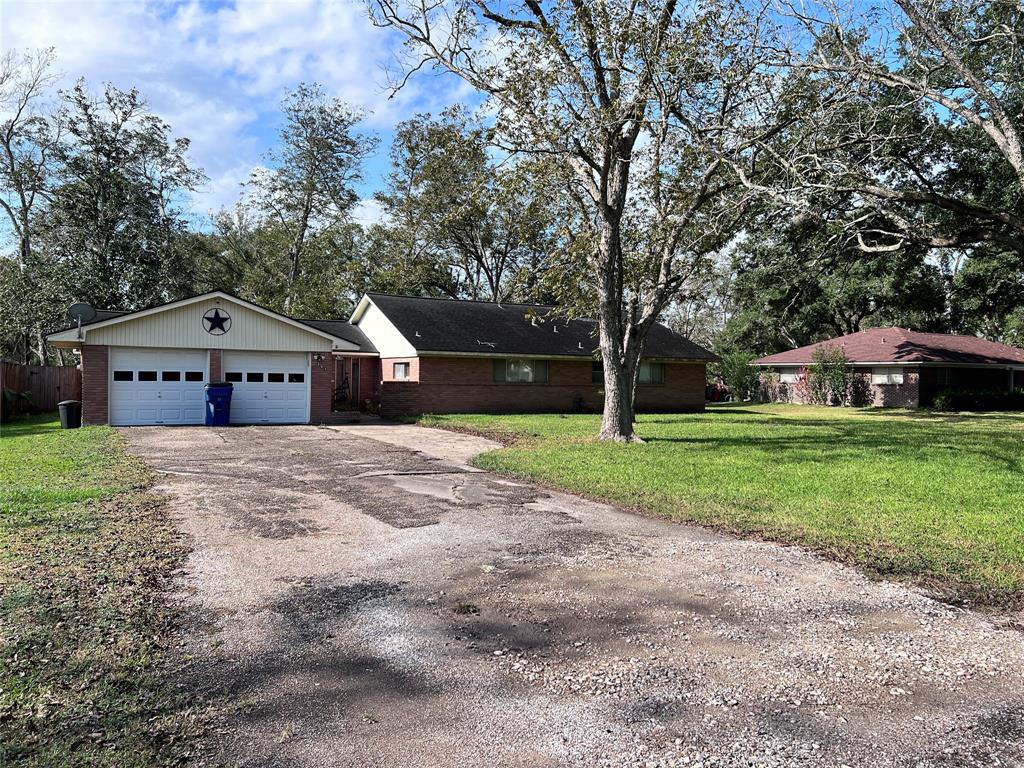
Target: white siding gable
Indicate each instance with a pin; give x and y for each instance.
(183, 327)
(388, 340)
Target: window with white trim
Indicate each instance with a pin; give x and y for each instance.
(886, 375)
(789, 375)
(400, 371)
(521, 371)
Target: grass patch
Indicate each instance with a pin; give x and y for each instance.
(86, 556)
(937, 500)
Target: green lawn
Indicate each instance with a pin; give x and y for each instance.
(85, 553)
(934, 499)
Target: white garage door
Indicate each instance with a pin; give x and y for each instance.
(157, 386)
(269, 387)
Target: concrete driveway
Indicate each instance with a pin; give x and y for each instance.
(365, 599)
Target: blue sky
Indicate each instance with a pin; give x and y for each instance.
(216, 71)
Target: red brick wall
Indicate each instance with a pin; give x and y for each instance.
(321, 386)
(683, 390)
(905, 395)
(216, 367)
(454, 384)
(95, 383)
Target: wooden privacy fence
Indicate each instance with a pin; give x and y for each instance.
(46, 385)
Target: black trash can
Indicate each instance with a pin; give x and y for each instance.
(218, 403)
(70, 414)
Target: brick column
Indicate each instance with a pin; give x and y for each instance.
(321, 386)
(95, 383)
(216, 372)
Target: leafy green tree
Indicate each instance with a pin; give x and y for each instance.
(829, 377)
(306, 194)
(249, 256)
(904, 157)
(987, 295)
(110, 232)
(393, 258)
(29, 136)
(629, 102)
(467, 224)
(809, 281)
(290, 243)
(113, 223)
(924, 125)
(739, 376)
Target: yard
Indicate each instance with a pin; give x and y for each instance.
(83, 630)
(937, 500)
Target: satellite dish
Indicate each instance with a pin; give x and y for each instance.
(81, 313)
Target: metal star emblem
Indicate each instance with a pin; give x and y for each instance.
(217, 323)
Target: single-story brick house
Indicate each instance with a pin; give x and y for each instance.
(402, 354)
(902, 368)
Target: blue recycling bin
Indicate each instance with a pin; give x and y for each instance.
(218, 403)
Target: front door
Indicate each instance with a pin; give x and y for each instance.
(342, 393)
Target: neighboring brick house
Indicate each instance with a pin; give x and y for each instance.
(401, 354)
(901, 368)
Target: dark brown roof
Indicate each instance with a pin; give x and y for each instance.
(101, 315)
(485, 327)
(897, 345)
(342, 330)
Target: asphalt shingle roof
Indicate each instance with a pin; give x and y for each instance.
(342, 330)
(897, 345)
(101, 315)
(448, 325)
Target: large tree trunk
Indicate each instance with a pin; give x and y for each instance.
(40, 347)
(617, 421)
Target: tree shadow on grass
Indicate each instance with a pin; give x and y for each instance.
(652, 418)
(960, 417)
(828, 440)
(21, 428)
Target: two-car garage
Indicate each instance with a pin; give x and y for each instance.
(151, 367)
(167, 386)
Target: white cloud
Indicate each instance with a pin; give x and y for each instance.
(217, 72)
(367, 212)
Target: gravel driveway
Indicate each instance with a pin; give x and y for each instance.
(368, 600)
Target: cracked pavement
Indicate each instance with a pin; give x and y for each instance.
(362, 597)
